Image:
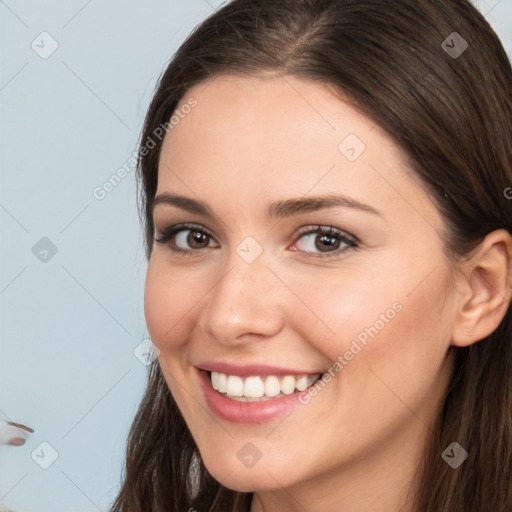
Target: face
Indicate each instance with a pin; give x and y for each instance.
(304, 250)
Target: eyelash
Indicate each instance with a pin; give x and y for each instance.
(351, 242)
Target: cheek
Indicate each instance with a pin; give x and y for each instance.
(372, 316)
(340, 306)
(169, 302)
(171, 294)
(403, 350)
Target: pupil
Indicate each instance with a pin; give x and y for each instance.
(197, 237)
(331, 241)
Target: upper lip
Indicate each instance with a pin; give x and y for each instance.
(249, 370)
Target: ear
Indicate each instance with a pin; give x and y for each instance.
(487, 289)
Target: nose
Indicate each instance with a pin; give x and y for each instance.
(246, 304)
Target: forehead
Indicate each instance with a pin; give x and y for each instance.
(267, 120)
(249, 138)
(253, 118)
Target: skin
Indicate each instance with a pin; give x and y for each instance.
(355, 446)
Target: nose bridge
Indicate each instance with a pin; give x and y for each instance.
(242, 300)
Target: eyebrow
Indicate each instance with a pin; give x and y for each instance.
(278, 209)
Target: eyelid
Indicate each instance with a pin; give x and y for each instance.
(350, 240)
(318, 228)
(171, 231)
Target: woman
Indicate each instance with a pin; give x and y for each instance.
(324, 192)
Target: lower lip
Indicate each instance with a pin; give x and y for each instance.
(249, 413)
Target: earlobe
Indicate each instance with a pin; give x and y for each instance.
(488, 289)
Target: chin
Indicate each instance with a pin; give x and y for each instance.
(236, 477)
(250, 482)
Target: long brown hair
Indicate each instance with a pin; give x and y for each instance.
(449, 108)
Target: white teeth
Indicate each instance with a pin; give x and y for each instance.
(215, 380)
(257, 388)
(272, 386)
(235, 386)
(311, 380)
(288, 385)
(254, 387)
(222, 382)
(302, 383)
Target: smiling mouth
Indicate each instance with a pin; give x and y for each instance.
(259, 388)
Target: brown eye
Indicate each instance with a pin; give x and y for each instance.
(185, 238)
(324, 241)
(196, 239)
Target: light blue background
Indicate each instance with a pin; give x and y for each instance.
(70, 325)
